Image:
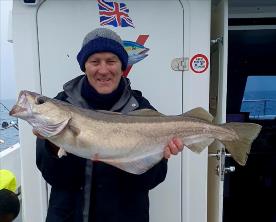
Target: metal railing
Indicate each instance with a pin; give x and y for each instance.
(263, 108)
(5, 125)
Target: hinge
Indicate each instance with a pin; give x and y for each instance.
(180, 64)
(217, 40)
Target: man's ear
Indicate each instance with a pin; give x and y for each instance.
(122, 71)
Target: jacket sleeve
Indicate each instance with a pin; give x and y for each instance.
(152, 177)
(59, 172)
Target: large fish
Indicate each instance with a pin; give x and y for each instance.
(133, 142)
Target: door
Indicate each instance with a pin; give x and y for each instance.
(218, 83)
(61, 29)
(252, 99)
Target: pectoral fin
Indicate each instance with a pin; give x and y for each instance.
(75, 130)
(49, 130)
(61, 152)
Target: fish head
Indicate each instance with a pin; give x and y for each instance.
(23, 108)
(40, 111)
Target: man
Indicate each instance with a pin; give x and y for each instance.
(86, 191)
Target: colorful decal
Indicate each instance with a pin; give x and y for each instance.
(114, 13)
(136, 51)
(199, 63)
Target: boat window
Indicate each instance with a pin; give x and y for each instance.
(259, 97)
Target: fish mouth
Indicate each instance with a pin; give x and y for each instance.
(17, 110)
(22, 106)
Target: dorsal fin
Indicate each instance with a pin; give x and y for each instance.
(145, 112)
(199, 113)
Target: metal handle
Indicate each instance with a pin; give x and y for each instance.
(221, 169)
(230, 169)
(217, 154)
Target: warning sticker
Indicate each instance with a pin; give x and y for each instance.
(199, 63)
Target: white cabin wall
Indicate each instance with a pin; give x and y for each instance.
(195, 94)
(34, 200)
(10, 160)
(251, 11)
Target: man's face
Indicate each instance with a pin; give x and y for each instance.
(104, 71)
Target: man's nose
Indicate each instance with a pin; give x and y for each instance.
(103, 68)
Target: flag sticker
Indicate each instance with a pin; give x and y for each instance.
(114, 13)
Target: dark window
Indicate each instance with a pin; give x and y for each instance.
(259, 97)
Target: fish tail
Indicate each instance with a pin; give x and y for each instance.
(240, 147)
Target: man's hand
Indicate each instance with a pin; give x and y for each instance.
(174, 147)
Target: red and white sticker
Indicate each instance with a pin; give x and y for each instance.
(199, 63)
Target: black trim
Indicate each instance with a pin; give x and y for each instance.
(251, 21)
(30, 1)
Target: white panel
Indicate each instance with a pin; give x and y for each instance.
(253, 12)
(10, 160)
(163, 21)
(34, 200)
(195, 93)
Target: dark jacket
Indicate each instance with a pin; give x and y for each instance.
(83, 191)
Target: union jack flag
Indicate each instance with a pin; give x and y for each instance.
(114, 13)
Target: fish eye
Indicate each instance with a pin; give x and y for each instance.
(39, 100)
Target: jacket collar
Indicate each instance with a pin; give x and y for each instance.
(125, 104)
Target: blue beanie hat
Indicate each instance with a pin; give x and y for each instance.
(102, 40)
